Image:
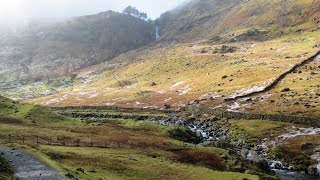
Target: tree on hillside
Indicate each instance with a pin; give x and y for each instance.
(143, 16)
(132, 11)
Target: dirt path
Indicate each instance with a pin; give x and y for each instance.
(27, 167)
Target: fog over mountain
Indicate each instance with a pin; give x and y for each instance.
(22, 10)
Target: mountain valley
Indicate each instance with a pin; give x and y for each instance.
(213, 89)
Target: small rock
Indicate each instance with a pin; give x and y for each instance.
(224, 157)
(224, 77)
(286, 90)
(313, 170)
(152, 84)
(80, 170)
(305, 146)
(249, 171)
(167, 106)
(69, 175)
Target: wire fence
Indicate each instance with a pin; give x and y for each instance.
(87, 142)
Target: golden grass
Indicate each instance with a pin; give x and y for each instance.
(195, 73)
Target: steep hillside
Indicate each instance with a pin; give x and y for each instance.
(234, 48)
(43, 50)
(175, 76)
(239, 19)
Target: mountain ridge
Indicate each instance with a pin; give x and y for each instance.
(63, 48)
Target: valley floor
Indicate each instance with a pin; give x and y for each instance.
(115, 149)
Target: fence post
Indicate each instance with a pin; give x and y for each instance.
(23, 139)
(9, 138)
(91, 141)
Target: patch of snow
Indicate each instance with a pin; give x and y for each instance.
(281, 49)
(318, 57)
(298, 132)
(236, 106)
(110, 104)
(147, 107)
(55, 100)
(185, 90)
(177, 84)
(253, 89)
(167, 99)
(208, 95)
(138, 103)
(216, 107)
(93, 95)
(179, 104)
(161, 91)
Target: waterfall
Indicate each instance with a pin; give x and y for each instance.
(157, 33)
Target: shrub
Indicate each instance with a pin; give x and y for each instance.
(184, 134)
(124, 83)
(195, 156)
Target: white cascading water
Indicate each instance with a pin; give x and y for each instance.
(157, 33)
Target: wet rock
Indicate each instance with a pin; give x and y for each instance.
(276, 165)
(313, 170)
(305, 146)
(263, 165)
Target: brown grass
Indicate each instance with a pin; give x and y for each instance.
(203, 158)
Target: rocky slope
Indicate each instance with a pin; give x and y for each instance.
(42, 50)
(239, 19)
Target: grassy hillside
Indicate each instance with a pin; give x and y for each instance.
(178, 74)
(206, 19)
(15, 112)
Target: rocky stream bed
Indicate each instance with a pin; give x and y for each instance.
(212, 134)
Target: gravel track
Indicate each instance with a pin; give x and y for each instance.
(27, 167)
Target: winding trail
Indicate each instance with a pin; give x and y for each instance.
(277, 80)
(27, 167)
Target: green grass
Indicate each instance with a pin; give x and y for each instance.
(31, 114)
(6, 170)
(129, 164)
(122, 149)
(256, 130)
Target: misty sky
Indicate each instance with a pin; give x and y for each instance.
(12, 10)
